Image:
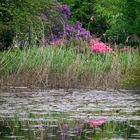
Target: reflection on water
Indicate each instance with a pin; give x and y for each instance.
(63, 115)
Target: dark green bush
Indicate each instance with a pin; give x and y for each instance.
(132, 78)
(6, 38)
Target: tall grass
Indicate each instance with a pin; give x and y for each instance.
(58, 67)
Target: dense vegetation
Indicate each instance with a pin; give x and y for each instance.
(68, 26)
(116, 18)
(25, 20)
(132, 78)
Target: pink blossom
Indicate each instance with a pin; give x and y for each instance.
(96, 122)
(99, 47)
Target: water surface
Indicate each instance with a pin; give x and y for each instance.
(63, 115)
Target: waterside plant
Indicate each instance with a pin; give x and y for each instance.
(55, 66)
(132, 78)
(62, 54)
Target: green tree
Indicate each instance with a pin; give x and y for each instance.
(84, 11)
(122, 17)
(23, 17)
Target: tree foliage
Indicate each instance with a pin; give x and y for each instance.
(23, 16)
(26, 18)
(122, 16)
(22, 13)
(85, 12)
(116, 18)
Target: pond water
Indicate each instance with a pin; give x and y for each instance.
(64, 115)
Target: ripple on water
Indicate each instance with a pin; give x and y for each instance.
(60, 106)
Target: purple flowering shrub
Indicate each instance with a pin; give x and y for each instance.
(71, 31)
(64, 11)
(72, 34)
(61, 29)
(77, 31)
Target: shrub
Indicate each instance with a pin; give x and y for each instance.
(99, 47)
(132, 78)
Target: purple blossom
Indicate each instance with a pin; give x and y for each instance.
(65, 127)
(70, 30)
(78, 129)
(77, 31)
(65, 10)
(78, 25)
(55, 40)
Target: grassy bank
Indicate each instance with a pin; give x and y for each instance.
(56, 67)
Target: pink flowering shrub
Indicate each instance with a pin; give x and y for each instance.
(99, 47)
